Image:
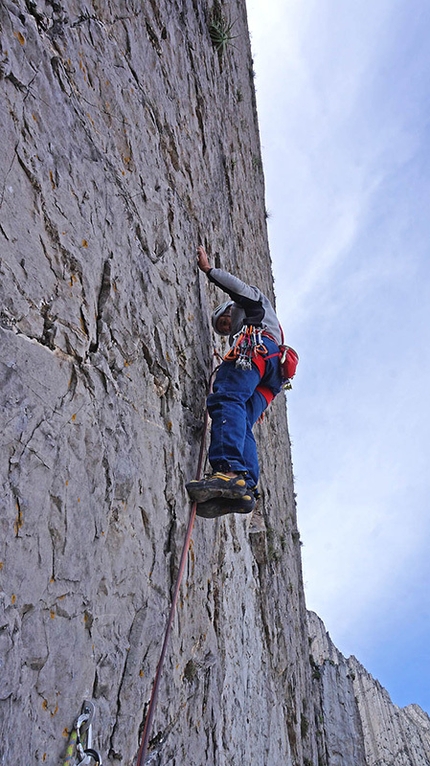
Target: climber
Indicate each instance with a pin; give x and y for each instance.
(246, 382)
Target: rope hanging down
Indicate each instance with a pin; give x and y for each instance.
(183, 560)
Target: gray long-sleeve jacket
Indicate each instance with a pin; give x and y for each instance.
(250, 305)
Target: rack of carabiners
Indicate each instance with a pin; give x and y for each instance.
(79, 750)
(246, 344)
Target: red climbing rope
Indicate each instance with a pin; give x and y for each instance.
(154, 694)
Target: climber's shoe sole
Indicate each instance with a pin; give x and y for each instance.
(220, 506)
(217, 485)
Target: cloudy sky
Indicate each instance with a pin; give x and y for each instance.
(343, 92)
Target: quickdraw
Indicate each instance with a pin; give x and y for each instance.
(247, 344)
(77, 754)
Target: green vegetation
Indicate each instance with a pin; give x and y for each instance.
(220, 29)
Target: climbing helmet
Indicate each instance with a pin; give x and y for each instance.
(223, 308)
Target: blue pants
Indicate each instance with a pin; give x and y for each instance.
(234, 406)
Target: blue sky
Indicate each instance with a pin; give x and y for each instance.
(343, 91)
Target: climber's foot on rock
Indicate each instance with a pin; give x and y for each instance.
(220, 506)
(232, 486)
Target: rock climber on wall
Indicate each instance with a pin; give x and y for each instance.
(246, 382)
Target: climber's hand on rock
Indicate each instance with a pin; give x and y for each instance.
(202, 259)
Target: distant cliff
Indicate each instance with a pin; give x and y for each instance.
(360, 724)
(128, 135)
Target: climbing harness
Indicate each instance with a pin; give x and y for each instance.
(183, 560)
(247, 344)
(77, 754)
(249, 348)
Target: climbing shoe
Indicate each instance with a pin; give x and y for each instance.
(220, 506)
(217, 485)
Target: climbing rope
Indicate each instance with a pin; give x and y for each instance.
(183, 560)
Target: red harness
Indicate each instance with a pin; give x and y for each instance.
(249, 344)
(289, 360)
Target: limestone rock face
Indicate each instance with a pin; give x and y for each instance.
(127, 139)
(361, 725)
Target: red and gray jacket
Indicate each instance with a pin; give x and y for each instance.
(250, 307)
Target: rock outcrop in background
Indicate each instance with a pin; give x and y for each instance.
(360, 724)
(127, 139)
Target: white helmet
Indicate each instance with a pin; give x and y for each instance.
(223, 308)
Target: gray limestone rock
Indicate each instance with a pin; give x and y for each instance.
(126, 140)
(360, 724)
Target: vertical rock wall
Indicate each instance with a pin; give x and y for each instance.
(127, 139)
